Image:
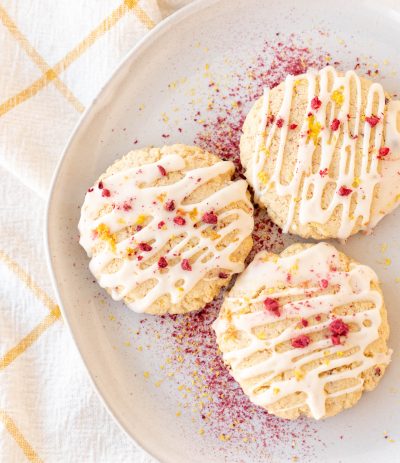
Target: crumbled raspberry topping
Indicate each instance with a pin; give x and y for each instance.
(162, 262)
(316, 103)
(210, 217)
(90, 189)
(301, 341)
(292, 126)
(324, 283)
(179, 220)
(126, 206)
(106, 193)
(169, 205)
(145, 247)
(185, 264)
(272, 305)
(223, 275)
(383, 151)
(304, 322)
(162, 170)
(344, 191)
(161, 224)
(339, 327)
(323, 172)
(372, 120)
(335, 124)
(100, 185)
(279, 123)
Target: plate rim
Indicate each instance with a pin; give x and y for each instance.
(196, 6)
(90, 111)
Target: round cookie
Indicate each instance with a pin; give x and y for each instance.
(166, 228)
(322, 153)
(305, 332)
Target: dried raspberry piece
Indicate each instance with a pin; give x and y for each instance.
(162, 170)
(324, 283)
(335, 124)
(339, 327)
(316, 103)
(272, 305)
(223, 275)
(304, 322)
(210, 217)
(106, 193)
(185, 264)
(292, 126)
(179, 220)
(100, 185)
(139, 257)
(271, 119)
(162, 262)
(372, 120)
(279, 123)
(90, 189)
(126, 206)
(335, 338)
(169, 205)
(301, 341)
(323, 172)
(145, 247)
(344, 191)
(377, 371)
(383, 151)
(160, 224)
(318, 318)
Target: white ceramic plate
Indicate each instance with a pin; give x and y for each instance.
(151, 372)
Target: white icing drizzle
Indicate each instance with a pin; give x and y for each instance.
(310, 209)
(130, 187)
(264, 279)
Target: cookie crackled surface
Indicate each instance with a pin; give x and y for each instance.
(166, 228)
(322, 153)
(305, 332)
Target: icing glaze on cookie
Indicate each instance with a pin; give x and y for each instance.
(312, 287)
(327, 119)
(157, 218)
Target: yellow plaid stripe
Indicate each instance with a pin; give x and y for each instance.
(28, 280)
(11, 427)
(40, 63)
(51, 74)
(30, 338)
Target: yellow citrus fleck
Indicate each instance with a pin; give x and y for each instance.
(146, 374)
(104, 234)
(141, 219)
(276, 390)
(299, 375)
(314, 129)
(261, 336)
(161, 197)
(193, 213)
(340, 353)
(263, 177)
(356, 182)
(338, 97)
